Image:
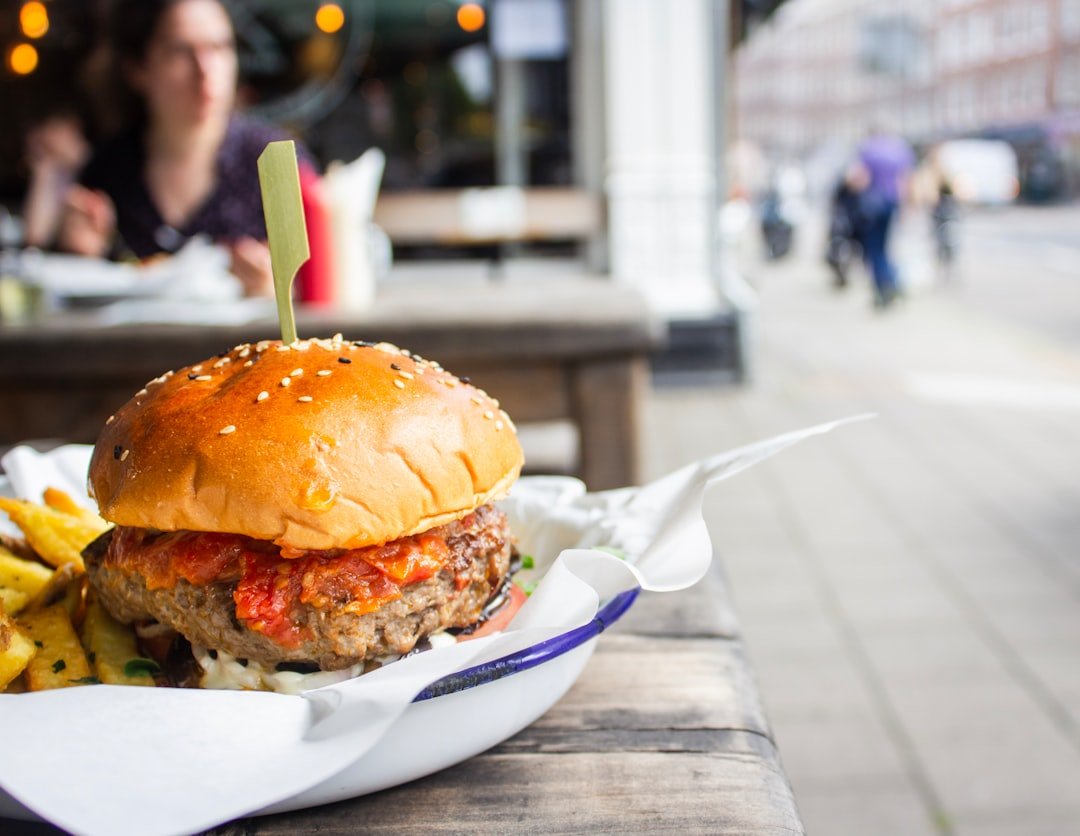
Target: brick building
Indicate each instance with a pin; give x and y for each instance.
(823, 71)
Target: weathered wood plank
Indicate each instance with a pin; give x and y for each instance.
(635, 682)
(576, 793)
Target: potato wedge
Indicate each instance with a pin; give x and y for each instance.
(23, 575)
(60, 661)
(111, 648)
(16, 650)
(58, 537)
(12, 600)
(58, 500)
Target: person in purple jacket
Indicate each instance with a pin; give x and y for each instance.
(886, 159)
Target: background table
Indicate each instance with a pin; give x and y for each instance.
(573, 350)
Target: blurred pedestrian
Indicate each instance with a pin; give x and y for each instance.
(844, 244)
(945, 218)
(887, 160)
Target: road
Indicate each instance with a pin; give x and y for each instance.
(1022, 264)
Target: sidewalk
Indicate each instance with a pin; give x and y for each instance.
(909, 588)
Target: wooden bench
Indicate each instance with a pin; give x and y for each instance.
(460, 217)
(573, 350)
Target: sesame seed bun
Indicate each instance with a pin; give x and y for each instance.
(323, 444)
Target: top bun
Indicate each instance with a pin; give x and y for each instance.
(321, 444)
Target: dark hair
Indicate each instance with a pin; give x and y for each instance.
(130, 27)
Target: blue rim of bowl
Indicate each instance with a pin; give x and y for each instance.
(532, 656)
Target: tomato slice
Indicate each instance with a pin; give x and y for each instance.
(501, 617)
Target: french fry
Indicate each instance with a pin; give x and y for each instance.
(65, 587)
(58, 537)
(58, 500)
(12, 600)
(111, 647)
(22, 575)
(60, 660)
(16, 651)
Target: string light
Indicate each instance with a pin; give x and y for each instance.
(329, 18)
(34, 19)
(22, 59)
(470, 16)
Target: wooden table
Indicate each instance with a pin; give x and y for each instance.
(564, 349)
(664, 732)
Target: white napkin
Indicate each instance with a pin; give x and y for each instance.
(113, 760)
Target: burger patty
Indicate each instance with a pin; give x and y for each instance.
(333, 637)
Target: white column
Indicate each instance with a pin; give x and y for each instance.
(661, 176)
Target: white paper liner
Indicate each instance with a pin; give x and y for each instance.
(117, 760)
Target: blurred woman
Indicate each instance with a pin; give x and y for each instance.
(186, 164)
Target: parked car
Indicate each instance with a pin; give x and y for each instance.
(979, 171)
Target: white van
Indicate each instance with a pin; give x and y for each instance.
(980, 171)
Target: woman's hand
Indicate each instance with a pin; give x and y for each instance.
(88, 224)
(56, 144)
(250, 263)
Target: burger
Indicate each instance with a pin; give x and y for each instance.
(321, 505)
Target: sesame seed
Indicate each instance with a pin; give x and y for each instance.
(296, 373)
(406, 375)
(116, 451)
(337, 337)
(323, 372)
(283, 348)
(285, 381)
(406, 352)
(204, 377)
(465, 379)
(399, 384)
(192, 377)
(305, 399)
(110, 419)
(197, 368)
(222, 362)
(476, 400)
(420, 370)
(499, 425)
(245, 352)
(395, 367)
(344, 360)
(227, 430)
(124, 455)
(449, 381)
(489, 414)
(262, 396)
(142, 392)
(249, 363)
